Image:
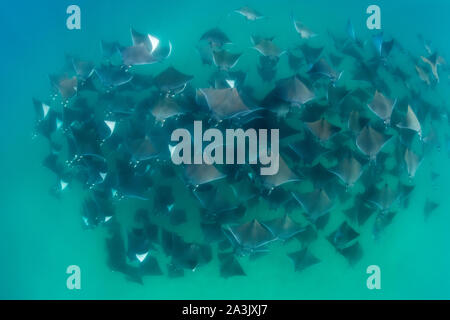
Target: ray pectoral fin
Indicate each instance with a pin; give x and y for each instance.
(303, 259)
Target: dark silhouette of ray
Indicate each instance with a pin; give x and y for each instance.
(294, 91)
(412, 161)
(215, 37)
(42, 110)
(165, 108)
(423, 75)
(308, 149)
(360, 211)
(406, 137)
(96, 211)
(411, 122)
(83, 140)
(350, 30)
(174, 271)
(206, 53)
(267, 47)
(387, 48)
(361, 94)
(339, 42)
(335, 59)
(66, 86)
(311, 54)
(223, 215)
(316, 203)
(335, 189)
(278, 107)
(198, 174)
(303, 259)
(277, 198)
(348, 169)
(251, 235)
(365, 72)
(429, 208)
(283, 176)
(313, 111)
(336, 95)
(225, 60)
(121, 107)
(382, 220)
(136, 55)
(370, 141)
(352, 50)
(404, 193)
(290, 205)
(165, 201)
(383, 48)
(113, 76)
(116, 255)
(191, 255)
(212, 232)
(249, 13)
(224, 103)
(294, 61)
(433, 61)
(149, 266)
(222, 79)
(383, 198)
(229, 266)
(302, 30)
(284, 228)
(169, 241)
(143, 149)
(244, 190)
(343, 237)
(47, 121)
(141, 39)
(352, 253)
(109, 49)
(307, 236)
(265, 119)
(382, 107)
(322, 129)
(356, 122)
(319, 175)
(377, 41)
(83, 69)
(130, 184)
(53, 163)
(267, 68)
(177, 217)
(224, 245)
(434, 176)
(146, 49)
(172, 80)
(401, 75)
(219, 202)
(138, 244)
(185, 255)
(152, 230)
(323, 69)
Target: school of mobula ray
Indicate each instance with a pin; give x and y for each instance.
(350, 146)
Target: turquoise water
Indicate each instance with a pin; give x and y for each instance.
(41, 236)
